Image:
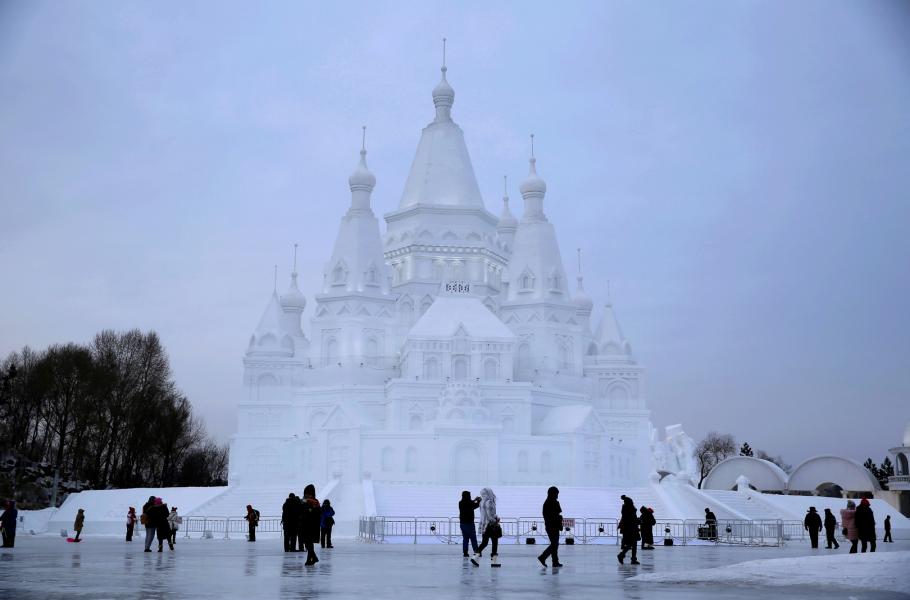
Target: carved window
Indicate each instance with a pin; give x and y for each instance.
(339, 274)
(526, 281)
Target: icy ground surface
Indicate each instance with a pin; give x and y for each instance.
(46, 567)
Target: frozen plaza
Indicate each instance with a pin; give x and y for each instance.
(44, 567)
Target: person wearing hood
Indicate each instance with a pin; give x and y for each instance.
(326, 522)
(466, 508)
(130, 523)
(848, 522)
(289, 518)
(8, 523)
(160, 514)
(711, 524)
(80, 522)
(628, 527)
(252, 519)
(146, 519)
(310, 518)
(647, 528)
(865, 525)
(174, 521)
(552, 521)
(887, 537)
(490, 528)
(813, 524)
(830, 528)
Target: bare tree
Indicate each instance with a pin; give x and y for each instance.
(777, 460)
(714, 448)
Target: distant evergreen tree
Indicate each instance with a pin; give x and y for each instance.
(884, 472)
(746, 450)
(873, 468)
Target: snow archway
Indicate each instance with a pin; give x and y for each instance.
(763, 474)
(848, 474)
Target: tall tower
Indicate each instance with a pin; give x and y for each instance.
(355, 311)
(441, 230)
(537, 306)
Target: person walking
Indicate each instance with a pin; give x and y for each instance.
(174, 520)
(466, 508)
(490, 528)
(628, 527)
(79, 523)
(160, 515)
(887, 537)
(8, 523)
(552, 521)
(848, 522)
(647, 528)
(146, 519)
(311, 516)
(865, 525)
(252, 519)
(289, 516)
(711, 524)
(813, 524)
(830, 528)
(130, 523)
(326, 522)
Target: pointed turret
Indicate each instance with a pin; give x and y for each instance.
(507, 221)
(608, 338)
(442, 172)
(293, 302)
(535, 268)
(272, 336)
(583, 302)
(357, 263)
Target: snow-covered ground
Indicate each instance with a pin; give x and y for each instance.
(49, 568)
(881, 571)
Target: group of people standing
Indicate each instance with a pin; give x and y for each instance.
(158, 521)
(857, 522)
(490, 527)
(306, 522)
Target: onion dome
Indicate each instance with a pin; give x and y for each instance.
(533, 184)
(443, 97)
(583, 302)
(362, 179)
(293, 299)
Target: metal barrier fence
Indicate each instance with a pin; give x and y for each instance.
(227, 527)
(591, 530)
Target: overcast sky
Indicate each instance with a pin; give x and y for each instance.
(739, 171)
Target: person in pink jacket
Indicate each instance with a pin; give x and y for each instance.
(848, 521)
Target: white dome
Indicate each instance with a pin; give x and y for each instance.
(443, 93)
(533, 184)
(583, 301)
(362, 178)
(293, 299)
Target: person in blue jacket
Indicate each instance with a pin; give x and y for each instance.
(326, 524)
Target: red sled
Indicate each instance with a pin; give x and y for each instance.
(73, 540)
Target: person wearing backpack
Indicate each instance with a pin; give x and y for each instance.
(252, 519)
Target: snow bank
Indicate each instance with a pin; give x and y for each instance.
(34, 521)
(881, 571)
(105, 510)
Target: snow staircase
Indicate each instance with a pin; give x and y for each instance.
(408, 500)
(267, 499)
(748, 504)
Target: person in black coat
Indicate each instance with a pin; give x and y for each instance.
(466, 508)
(865, 524)
(8, 523)
(813, 524)
(711, 524)
(647, 524)
(552, 522)
(830, 528)
(887, 537)
(289, 516)
(628, 527)
(310, 520)
(158, 515)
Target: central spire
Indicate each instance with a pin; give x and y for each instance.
(362, 181)
(443, 94)
(533, 189)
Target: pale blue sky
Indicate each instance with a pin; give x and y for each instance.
(738, 170)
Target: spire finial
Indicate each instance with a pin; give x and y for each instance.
(295, 258)
(443, 55)
(505, 186)
(363, 140)
(609, 294)
(276, 279)
(532, 145)
(579, 261)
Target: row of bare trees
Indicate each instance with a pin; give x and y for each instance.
(107, 413)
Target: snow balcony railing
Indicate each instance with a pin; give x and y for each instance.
(590, 530)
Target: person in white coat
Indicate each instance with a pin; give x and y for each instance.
(174, 520)
(490, 528)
